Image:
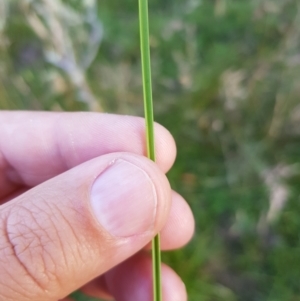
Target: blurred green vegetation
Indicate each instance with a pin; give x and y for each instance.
(226, 84)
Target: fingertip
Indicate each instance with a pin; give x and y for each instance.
(165, 147)
(180, 226)
(171, 280)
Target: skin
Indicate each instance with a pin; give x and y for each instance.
(51, 244)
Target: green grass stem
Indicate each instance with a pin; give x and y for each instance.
(148, 104)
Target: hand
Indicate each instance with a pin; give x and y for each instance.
(79, 205)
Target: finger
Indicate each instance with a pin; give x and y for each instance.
(67, 231)
(180, 225)
(132, 280)
(36, 146)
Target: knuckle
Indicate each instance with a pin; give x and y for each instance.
(34, 248)
(27, 245)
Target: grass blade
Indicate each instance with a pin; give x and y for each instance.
(148, 104)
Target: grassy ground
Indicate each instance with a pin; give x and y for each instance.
(225, 76)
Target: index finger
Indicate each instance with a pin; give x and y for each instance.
(36, 146)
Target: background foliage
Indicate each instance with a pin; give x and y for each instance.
(226, 84)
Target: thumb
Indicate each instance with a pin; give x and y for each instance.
(65, 232)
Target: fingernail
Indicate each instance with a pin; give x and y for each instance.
(124, 199)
